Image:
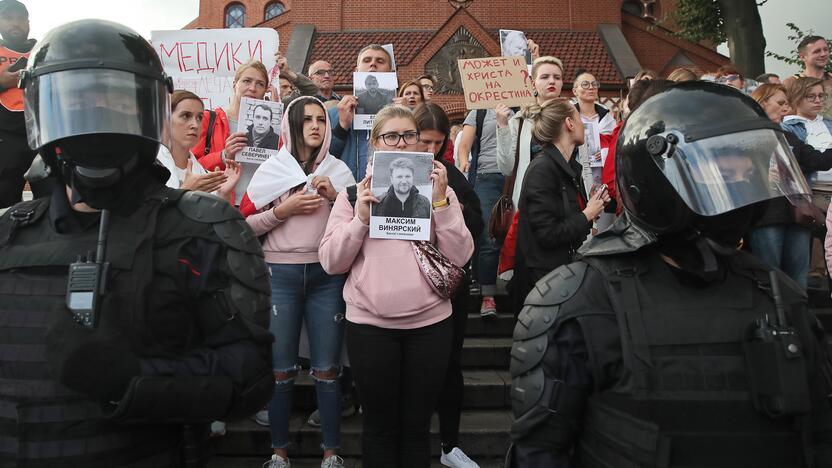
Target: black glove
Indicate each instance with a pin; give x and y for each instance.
(96, 362)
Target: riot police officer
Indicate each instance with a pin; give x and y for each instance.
(665, 345)
(127, 309)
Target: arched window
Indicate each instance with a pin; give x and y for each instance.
(273, 9)
(235, 16)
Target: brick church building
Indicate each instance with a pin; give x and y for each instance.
(613, 39)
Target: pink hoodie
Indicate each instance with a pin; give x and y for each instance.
(386, 287)
(295, 240)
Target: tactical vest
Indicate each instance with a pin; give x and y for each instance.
(683, 399)
(11, 98)
(42, 421)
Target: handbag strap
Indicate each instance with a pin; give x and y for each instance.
(508, 184)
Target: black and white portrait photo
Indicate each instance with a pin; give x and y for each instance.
(401, 182)
(513, 44)
(373, 91)
(260, 121)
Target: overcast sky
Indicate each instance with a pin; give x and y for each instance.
(147, 15)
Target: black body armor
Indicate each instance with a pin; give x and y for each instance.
(683, 393)
(187, 294)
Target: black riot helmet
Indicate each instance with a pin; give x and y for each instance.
(96, 102)
(701, 152)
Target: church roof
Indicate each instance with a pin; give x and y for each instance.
(577, 50)
(340, 49)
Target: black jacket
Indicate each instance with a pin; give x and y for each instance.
(270, 141)
(471, 208)
(810, 160)
(415, 206)
(551, 225)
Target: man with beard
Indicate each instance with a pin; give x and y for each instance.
(260, 133)
(402, 199)
(373, 98)
(15, 154)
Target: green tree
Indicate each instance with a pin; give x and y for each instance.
(796, 36)
(735, 21)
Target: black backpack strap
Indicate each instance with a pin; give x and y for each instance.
(621, 274)
(352, 194)
(212, 118)
(475, 147)
(21, 215)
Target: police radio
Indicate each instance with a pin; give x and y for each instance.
(776, 363)
(87, 277)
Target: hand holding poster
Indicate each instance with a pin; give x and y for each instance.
(204, 60)
(495, 80)
(401, 182)
(514, 44)
(373, 91)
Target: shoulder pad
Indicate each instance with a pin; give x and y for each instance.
(227, 222)
(251, 270)
(206, 208)
(543, 302)
(558, 286)
(527, 354)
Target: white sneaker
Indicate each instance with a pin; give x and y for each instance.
(333, 462)
(262, 418)
(457, 459)
(276, 462)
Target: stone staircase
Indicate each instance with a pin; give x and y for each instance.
(486, 416)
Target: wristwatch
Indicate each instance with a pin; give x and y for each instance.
(441, 203)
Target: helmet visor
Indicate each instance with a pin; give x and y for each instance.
(723, 173)
(94, 101)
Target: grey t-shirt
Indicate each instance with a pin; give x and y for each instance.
(246, 171)
(487, 160)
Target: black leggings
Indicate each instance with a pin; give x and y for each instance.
(398, 375)
(450, 400)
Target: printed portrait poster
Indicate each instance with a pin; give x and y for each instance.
(389, 49)
(592, 140)
(514, 44)
(401, 182)
(260, 121)
(204, 61)
(373, 91)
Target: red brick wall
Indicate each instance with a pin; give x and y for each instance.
(340, 15)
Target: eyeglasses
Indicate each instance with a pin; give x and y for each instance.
(817, 97)
(393, 139)
(427, 87)
(323, 72)
(727, 78)
(590, 84)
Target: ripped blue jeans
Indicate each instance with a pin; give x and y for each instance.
(305, 292)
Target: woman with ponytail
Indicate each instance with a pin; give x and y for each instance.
(554, 217)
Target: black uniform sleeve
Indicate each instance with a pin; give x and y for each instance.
(211, 360)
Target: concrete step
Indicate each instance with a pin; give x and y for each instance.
(483, 434)
(500, 326)
(490, 353)
(484, 388)
(349, 462)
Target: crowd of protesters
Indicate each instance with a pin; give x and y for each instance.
(514, 196)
